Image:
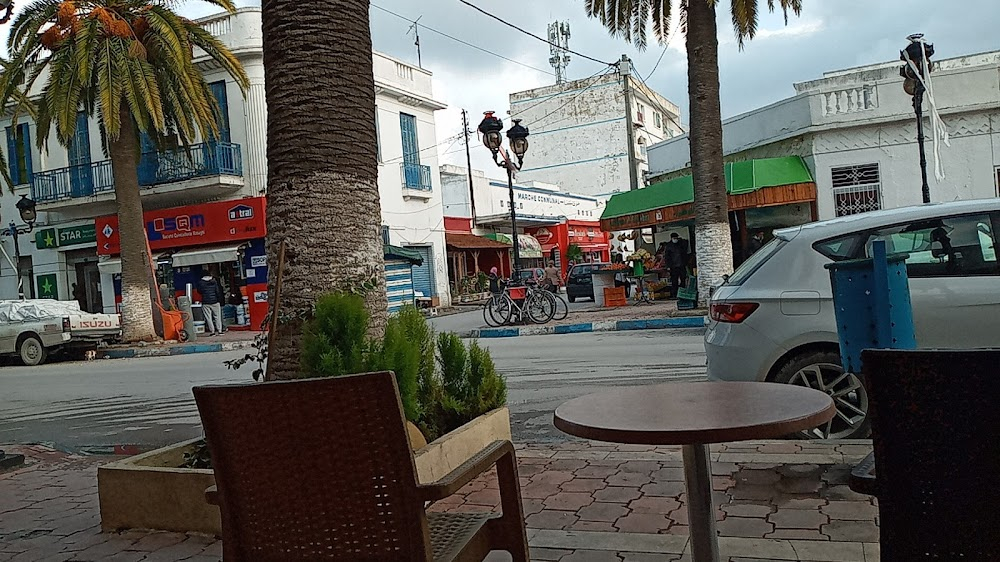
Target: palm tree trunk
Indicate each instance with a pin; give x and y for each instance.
(713, 242)
(322, 173)
(137, 308)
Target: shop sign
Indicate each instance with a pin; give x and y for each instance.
(48, 286)
(258, 261)
(260, 296)
(208, 223)
(543, 235)
(649, 218)
(71, 236)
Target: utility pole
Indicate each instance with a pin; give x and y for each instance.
(468, 167)
(624, 71)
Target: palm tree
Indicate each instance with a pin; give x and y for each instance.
(628, 19)
(130, 63)
(322, 199)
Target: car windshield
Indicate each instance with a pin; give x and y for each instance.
(755, 261)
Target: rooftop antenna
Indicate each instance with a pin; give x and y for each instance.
(416, 34)
(558, 48)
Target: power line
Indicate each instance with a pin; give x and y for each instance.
(656, 102)
(452, 139)
(466, 43)
(530, 34)
(664, 52)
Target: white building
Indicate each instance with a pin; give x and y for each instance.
(205, 206)
(856, 131)
(578, 132)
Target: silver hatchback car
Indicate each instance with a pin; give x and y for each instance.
(773, 319)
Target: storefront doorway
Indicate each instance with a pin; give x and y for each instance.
(85, 282)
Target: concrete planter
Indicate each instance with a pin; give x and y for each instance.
(448, 452)
(148, 491)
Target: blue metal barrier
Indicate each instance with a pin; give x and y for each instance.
(871, 299)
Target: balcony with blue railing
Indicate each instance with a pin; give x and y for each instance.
(205, 160)
(416, 180)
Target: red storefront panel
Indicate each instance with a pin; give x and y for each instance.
(193, 225)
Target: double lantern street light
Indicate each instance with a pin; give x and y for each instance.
(915, 55)
(25, 208)
(517, 139)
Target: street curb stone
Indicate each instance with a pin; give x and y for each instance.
(167, 351)
(606, 326)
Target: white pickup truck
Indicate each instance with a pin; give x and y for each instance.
(32, 329)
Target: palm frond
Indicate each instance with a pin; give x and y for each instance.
(628, 19)
(744, 13)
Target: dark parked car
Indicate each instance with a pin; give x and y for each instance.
(579, 283)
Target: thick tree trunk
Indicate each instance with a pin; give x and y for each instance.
(137, 308)
(322, 197)
(713, 244)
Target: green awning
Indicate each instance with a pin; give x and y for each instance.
(397, 252)
(741, 177)
(527, 245)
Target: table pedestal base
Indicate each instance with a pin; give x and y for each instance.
(701, 508)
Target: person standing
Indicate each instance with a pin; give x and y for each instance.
(552, 278)
(211, 303)
(676, 257)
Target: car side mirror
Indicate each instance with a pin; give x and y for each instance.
(725, 278)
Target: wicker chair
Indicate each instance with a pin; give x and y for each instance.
(936, 432)
(321, 469)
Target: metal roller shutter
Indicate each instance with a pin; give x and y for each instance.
(423, 275)
(398, 284)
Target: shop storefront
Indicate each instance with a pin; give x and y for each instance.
(556, 240)
(224, 238)
(528, 247)
(763, 194)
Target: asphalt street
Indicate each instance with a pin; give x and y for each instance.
(93, 405)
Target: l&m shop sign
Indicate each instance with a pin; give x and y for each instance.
(194, 225)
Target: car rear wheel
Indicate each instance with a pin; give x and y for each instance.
(32, 351)
(821, 370)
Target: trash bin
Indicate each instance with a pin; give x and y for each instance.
(871, 299)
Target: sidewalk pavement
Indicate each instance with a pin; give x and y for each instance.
(583, 502)
(655, 316)
(229, 341)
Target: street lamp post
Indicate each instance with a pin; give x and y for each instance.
(25, 208)
(913, 84)
(517, 138)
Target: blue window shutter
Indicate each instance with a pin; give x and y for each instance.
(408, 130)
(219, 92)
(26, 145)
(12, 156)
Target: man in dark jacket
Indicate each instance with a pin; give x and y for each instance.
(211, 303)
(676, 257)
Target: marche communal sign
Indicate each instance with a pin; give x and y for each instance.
(194, 225)
(48, 238)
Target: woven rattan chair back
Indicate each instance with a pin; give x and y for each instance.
(936, 432)
(315, 469)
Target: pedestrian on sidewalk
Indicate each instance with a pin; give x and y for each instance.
(676, 256)
(552, 278)
(211, 303)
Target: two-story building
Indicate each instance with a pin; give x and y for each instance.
(854, 130)
(205, 203)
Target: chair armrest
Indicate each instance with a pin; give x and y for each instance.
(863, 478)
(212, 495)
(467, 471)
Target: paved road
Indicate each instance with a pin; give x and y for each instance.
(148, 401)
(472, 318)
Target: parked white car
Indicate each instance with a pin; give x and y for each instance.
(33, 329)
(773, 319)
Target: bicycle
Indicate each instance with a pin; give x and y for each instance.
(517, 303)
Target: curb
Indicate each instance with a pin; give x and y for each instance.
(165, 351)
(607, 326)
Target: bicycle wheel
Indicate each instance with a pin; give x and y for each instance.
(540, 308)
(561, 308)
(500, 311)
(488, 310)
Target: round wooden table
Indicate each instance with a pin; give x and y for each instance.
(694, 415)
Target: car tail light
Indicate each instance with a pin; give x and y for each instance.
(65, 324)
(733, 313)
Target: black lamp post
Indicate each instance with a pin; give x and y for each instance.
(25, 208)
(8, 8)
(517, 138)
(914, 86)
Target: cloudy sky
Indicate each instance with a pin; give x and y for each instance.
(829, 35)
